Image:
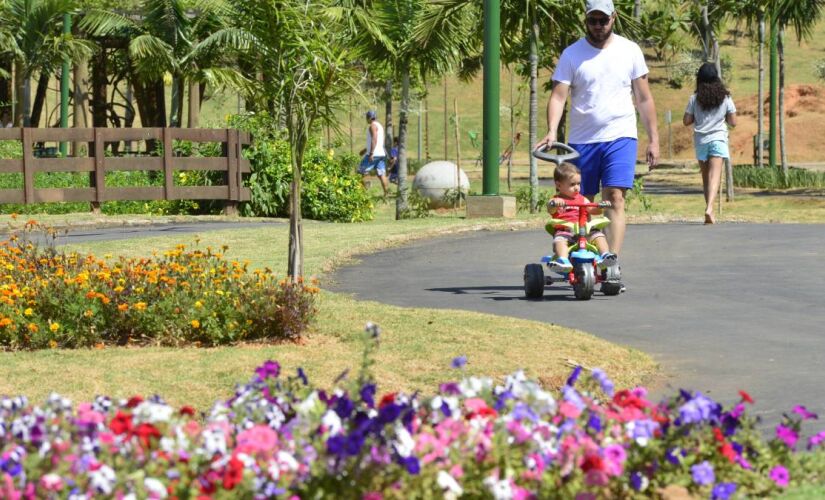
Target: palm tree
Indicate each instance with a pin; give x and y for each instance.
(305, 74)
(34, 41)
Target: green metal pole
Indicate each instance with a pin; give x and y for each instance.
(64, 87)
(492, 67)
(774, 91)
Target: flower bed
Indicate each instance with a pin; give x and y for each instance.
(52, 299)
(282, 437)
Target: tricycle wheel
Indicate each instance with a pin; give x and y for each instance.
(533, 281)
(585, 281)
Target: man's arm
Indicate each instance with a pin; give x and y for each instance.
(647, 111)
(555, 108)
(374, 135)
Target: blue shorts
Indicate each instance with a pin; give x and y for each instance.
(378, 164)
(712, 148)
(606, 164)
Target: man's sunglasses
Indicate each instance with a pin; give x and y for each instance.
(593, 21)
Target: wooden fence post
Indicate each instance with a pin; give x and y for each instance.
(28, 168)
(97, 178)
(232, 173)
(168, 177)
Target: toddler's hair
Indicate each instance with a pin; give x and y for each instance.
(565, 171)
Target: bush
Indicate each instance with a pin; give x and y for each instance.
(774, 178)
(332, 189)
(819, 69)
(523, 199)
(52, 299)
(282, 437)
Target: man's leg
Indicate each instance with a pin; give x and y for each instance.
(618, 172)
(384, 185)
(615, 231)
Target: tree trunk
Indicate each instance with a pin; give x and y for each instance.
(295, 263)
(512, 134)
(780, 50)
(19, 88)
(760, 105)
(194, 104)
(401, 200)
(6, 92)
(637, 10)
(39, 99)
(99, 89)
(534, 111)
(426, 125)
(388, 117)
(27, 102)
(176, 118)
(80, 100)
(446, 123)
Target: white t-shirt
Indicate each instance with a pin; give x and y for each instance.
(379, 144)
(709, 124)
(601, 101)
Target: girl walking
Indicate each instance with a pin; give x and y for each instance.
(710, 110)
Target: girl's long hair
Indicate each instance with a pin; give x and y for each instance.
(710, 91)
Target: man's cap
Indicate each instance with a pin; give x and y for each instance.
(370, 115)
(605, 6)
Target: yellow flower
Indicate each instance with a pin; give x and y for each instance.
(88, 313)
(198, 304)
(140, 306)
(33, 328)
(54, 326)
(195, 323)
(52, 344)
(28, 311)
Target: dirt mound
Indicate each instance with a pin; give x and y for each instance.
(804, 108)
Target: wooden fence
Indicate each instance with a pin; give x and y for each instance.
(97, 164)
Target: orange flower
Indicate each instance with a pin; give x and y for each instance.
(33, 328)
(140, 306)
(122, 307)
(5, 322)
(195, 323)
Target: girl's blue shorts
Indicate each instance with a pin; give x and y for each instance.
(712, 148)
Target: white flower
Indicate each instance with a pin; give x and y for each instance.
(404, 443)
(306, 406)
(332, 422)
(152, 412)
(448, 483)
(102, 480)
(287, 461)
(500, 489)
(214, 442)
(154, 487)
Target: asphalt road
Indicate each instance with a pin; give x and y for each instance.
(723, 308)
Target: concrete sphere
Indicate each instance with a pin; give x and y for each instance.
(434, 179)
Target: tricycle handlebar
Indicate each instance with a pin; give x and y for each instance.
(567, 154)
(602, 204)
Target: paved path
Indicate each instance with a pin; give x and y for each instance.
(723, 308)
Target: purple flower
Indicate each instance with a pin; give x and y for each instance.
(574, 376)
(699, 409)
(594, 422)
(723, 491)
(638, 481)
(268, 369)
(780, 476)
(787, 435)
(606, 384)
(368, 394)
(804, 413)
(673, 456)
(571, 396)
(449, 388)
(459, 362)
(703, 473)
(411, 464)
(816, 439)
(302, 376)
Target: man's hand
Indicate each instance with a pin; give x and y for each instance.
(548, 139)
(653, 154)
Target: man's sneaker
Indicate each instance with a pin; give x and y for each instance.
(561, 265)
(608, 259)
(622, 288)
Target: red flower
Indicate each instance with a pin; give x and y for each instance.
(388, 399)
(746, 397)
(592, 462)
(626, 398)
(717, 434)
(728, 452)
(187, 410)
(134, 401)
(121, 423)
(233, 473)
(145, 432)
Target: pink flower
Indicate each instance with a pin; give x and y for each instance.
(816, 439)
(569, 410)
(780, 476)
(258, 439)
(614, 458)
(787, 435)
(804, 413)
(86, 414)
(373, 495)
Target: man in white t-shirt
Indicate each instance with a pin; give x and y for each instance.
(375, 155)
(604, 73)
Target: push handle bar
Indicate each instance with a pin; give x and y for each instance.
(567, 153)
(562, 204)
